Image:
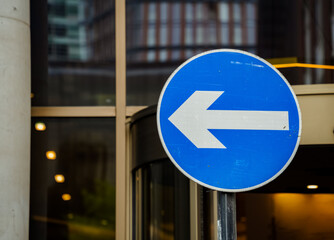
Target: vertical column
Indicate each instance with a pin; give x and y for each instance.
(194, 212)
(121, 175)
(14, 119)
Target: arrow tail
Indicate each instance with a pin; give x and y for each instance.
(247, 120)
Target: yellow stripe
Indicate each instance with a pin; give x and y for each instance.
(303, 65)
(282, 60)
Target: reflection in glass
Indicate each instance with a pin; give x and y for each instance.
(51, 155)
(83, 206)
(160, 36)
(312, 186)
(283, 216)
(59, 178)
(66, 197)
(164, 197)
(40, 126)
(80, 55)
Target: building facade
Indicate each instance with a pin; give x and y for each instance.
(96, 168)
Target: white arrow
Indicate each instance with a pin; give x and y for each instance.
(193, 119)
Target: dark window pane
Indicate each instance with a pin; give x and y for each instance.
(207, 214)
(73, 178)
(161, 35)
(80, 54)
(57, 9)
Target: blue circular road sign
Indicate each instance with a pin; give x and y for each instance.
(229, 120)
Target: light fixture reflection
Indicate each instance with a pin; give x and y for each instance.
(40, 126)
(312, 186)
(59, 178)
(51, 155)
(66, 197)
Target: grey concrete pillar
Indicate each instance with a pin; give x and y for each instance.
(14, 119)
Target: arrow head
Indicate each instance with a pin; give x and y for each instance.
(190, 119)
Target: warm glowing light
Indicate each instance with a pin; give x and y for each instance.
(32, 95)
(51, 155)
(312, 186)
(66, 197)
(303, 65)
(70, 216)
(59, 178)
(40, 126)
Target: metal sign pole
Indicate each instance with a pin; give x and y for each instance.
(226, 226)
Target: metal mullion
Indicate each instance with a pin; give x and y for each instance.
(121, 170)
(94, 111)
(139, 205)
(129, 176)
(73, 111)
(194, 211)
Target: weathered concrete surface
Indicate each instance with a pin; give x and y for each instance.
(14, 119)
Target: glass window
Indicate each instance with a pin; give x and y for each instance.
(164, 196)
(304, 33)
(80, 57)
(72, 178)
(285, 216)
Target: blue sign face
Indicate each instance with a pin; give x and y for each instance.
(229, 120)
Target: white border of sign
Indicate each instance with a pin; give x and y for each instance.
(194, 179)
